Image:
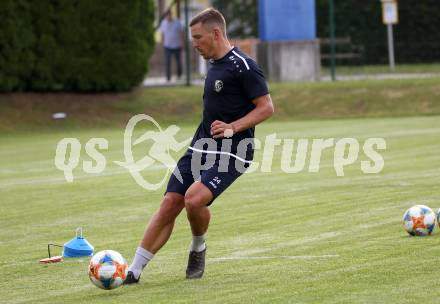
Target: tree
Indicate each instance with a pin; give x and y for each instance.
(82, 45)
(241, 17)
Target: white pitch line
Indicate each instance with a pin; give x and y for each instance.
(61, 178)
(286, 257)
(34, 262)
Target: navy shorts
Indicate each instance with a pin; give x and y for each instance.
(218, 175)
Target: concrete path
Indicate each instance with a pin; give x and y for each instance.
(162, 82)
(381, 76)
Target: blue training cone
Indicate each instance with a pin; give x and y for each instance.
(78, 246)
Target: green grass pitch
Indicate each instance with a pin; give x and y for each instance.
(274, 237)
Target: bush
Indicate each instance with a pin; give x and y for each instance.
(82, 45)
(416, 36)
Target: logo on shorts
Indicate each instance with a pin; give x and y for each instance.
(218, 86)
(215, 181)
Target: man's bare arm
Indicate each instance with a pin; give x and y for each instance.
(263, 110)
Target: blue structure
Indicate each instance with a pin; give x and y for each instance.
(287, 20)
(78, 246)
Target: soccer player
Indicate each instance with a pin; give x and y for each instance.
(235, 99)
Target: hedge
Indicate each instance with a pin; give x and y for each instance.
(416, 36)
(74, 45)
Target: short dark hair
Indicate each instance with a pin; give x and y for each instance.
(210, 16)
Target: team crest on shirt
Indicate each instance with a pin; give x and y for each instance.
(218, 86)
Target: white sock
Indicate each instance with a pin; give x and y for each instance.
(198, 243)
(141, 259)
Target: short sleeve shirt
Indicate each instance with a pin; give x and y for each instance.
(231, 84)
(172, 31)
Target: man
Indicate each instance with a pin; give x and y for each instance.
(235, 99)
(172, 41)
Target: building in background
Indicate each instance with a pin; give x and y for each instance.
(286, 49)
(157, 60)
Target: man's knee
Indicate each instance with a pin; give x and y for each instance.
(194, 201)
(171, 206)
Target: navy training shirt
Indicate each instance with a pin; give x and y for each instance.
(231, 84)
